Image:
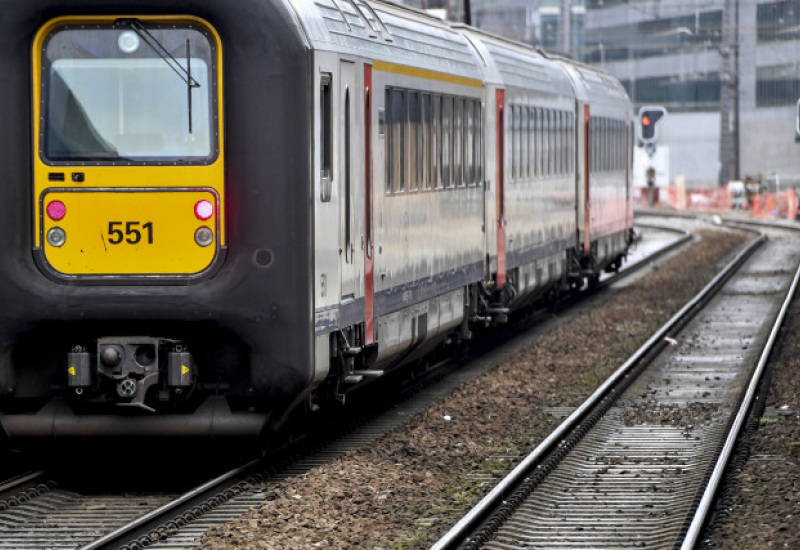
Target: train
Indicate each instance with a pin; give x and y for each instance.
(218, 215)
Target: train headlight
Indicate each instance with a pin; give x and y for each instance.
(204, 236)
(56, 237)
(56, 210)
(203, 210)
(128, 42)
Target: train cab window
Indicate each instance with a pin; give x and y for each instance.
(131, 91)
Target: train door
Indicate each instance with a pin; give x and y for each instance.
(369, 287)
(351, 262)
(501, 190)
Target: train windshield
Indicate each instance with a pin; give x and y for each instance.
(128, 92)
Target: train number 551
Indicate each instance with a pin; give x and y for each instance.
(132, 232)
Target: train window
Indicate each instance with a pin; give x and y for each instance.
(414, 117)
(518, 158)
(458, 142)
(548, 131)
(542, 143)
(326, 133)
(573, 141)
(559, 142)
(109, 96)
(387, 132)
(537, 143)
(561, 149)
(553, 143)
(478, 143)
(524, 159)
(566, 142)
(603, 144)
(529, 132)
(436, 142)
(469, 143)
(436, 146)
(397, 126)
(592, 122)
(514, 140)
(426, 141)
(447, 141)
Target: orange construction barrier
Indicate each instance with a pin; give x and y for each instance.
(769, 206)
(755, 205)
(791, 204)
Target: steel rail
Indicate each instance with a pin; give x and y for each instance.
(160, 511)
(706, 502)
(10, 484)
(460, 531)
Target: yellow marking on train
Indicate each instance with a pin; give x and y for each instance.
(405, 70)
(130, 232)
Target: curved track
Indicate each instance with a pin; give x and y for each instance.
(630, 467)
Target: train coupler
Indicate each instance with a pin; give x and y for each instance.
(124, 370)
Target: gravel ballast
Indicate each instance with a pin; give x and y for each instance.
(408, 488)
(760, 504)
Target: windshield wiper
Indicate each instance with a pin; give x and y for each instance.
(185, 74)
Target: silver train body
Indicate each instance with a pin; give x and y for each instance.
(494, 174)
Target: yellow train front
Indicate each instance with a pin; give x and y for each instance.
(154, 270)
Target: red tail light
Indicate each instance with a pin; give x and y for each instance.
(203, 210)
(56, 210)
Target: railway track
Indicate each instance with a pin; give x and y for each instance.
(62, 518)
(638, 464)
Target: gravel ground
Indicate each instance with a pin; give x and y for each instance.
(407, 489)
(760, 506)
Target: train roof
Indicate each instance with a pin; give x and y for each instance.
(594, 84)
(517, 64)
(388, 32)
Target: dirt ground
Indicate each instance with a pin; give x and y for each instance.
(408, 488)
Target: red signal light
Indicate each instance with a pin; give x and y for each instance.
(646, 120)
(203, 210)
(56, 210)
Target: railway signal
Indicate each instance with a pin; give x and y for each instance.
(649, 120)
